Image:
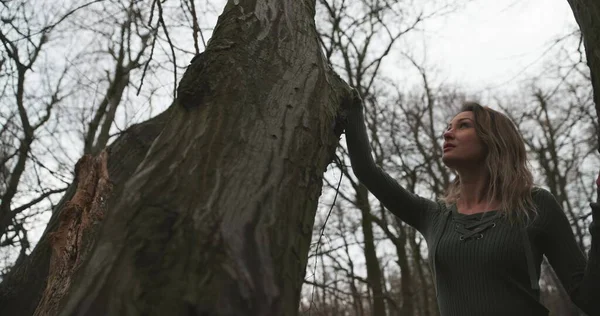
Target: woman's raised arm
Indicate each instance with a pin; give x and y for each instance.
(409, 207)
(580, 276)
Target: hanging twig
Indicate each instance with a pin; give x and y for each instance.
(322, 231)
(148, 61)
(164, 26)
(196, 27)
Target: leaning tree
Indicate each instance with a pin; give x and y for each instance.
(208, 208)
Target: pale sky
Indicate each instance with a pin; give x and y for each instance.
(487, 45)
(491, 43)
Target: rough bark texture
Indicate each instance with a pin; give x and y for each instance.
(74, 237)
(217, 217)
(587, 15)
(23, 287)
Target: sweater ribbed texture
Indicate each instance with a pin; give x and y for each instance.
(480, 261)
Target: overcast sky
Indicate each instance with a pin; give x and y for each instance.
(491, 43)
(487, 45)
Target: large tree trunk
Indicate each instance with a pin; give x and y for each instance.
(217, 217)
(587, 15)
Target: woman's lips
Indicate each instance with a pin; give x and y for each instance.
(448, 147)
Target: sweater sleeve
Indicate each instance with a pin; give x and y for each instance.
(579, 276)
(409, 207)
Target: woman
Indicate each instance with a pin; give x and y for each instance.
(487, 236)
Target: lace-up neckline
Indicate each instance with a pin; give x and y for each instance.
(472, 226)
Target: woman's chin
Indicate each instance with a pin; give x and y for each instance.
(459, 163)
(450, 162)
(447, 160)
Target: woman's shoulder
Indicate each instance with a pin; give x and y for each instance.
(542, 196)
(547, 207)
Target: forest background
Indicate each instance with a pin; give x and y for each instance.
(74, 75)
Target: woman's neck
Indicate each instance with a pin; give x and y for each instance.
(474, 191)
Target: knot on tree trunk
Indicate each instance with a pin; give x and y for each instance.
(75, 234)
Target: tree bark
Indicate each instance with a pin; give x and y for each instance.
(217, 217)
(587, 15)
(23, 287)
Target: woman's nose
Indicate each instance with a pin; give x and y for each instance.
(448, 134)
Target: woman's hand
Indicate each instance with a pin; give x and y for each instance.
(351, 112)
(353, 101)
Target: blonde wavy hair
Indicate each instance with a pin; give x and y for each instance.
(510, 179)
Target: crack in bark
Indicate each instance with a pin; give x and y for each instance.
(75, 235)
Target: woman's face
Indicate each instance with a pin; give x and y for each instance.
(462, 146)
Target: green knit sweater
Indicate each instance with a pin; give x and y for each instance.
(482, 265)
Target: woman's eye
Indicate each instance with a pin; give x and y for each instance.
(463, 125)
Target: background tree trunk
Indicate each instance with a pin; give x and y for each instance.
(372, 262)
(587, 15)
(217, 217)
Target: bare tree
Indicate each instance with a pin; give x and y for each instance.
(24, 36)
(217, 217)
(129, 53)
(357, 37)
(103, 66)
